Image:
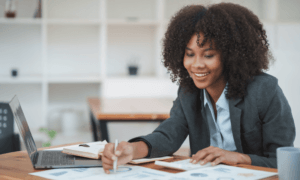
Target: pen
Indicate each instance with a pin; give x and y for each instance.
(116, 161)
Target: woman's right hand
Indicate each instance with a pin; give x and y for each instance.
(124, 152)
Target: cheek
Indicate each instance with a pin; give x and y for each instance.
(186, 64)
(216, 66)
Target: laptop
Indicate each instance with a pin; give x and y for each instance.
(46, 159)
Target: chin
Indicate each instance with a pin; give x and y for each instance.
(200, 85)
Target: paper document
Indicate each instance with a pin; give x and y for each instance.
(182, 165)
(146, 160)
(223, 172)
(123, 172)
(77, 145)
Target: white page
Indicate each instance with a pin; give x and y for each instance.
(143, 160)
(124, 172)
(91, 143)
(221, 172)
(182, 165)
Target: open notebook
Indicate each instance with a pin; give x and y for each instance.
(91, 150)
(94, 150)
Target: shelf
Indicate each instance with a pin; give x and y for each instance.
(21, 80)
(20, 21)
(132, 22)
(128, 77)
(74, 79)
(74, 21)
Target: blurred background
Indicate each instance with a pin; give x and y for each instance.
(54, 54)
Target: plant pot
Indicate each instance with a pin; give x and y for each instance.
(14, 72)
(132, 70)
(69, 123)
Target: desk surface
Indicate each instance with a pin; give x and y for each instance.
(17, 165)
(131, 108)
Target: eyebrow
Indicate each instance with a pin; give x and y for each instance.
(204, 49)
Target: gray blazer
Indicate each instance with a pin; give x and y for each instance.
(261, 122)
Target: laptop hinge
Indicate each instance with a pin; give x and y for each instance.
(35, 157)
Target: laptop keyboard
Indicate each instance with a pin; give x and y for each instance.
(57, 158)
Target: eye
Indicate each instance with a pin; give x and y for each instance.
(189, 55)
(209, 56)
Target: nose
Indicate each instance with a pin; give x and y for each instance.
(198, 63)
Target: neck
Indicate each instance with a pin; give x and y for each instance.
(216, 90)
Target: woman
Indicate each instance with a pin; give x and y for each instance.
(232, 111)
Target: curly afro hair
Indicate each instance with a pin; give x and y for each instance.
(236, 32)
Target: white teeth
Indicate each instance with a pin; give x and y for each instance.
(201, 75)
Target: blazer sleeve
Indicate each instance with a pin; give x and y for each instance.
(278, 128)
(169, 135)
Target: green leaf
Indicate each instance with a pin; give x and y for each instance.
(52, 134)
(43, 129)
(46, 144)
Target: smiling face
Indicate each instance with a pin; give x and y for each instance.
(204, 65)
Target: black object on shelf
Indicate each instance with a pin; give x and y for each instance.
(14, 73)
(10, 8)
(38, 11)
(9, 141)
(133, 70)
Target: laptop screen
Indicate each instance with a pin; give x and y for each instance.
(23, 127)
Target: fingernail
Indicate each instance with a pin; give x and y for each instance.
(213, 164)
(113, 158)
(194, 162)
(202, 162)
(107, 171)
(191, 160)
(118, 153)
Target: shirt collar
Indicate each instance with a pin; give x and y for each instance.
(222, 101)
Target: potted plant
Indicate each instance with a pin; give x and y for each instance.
(133, 65)
(51, 134)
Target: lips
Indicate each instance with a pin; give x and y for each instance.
(203, 74)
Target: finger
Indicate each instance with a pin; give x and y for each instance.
(106, 171)
(192, 158)
(107, 161)
(107, 166)
(217, 161)
(208, 158)
(204, 153)
(109, 151)
(124, 160)
(200, 155)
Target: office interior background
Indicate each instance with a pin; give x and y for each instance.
(82, 48)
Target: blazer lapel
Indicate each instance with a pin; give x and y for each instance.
(205, 138)
(192, 104)
(235, 117)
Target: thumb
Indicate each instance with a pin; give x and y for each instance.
(119, 149)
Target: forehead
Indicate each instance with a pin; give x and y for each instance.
(193, 41)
